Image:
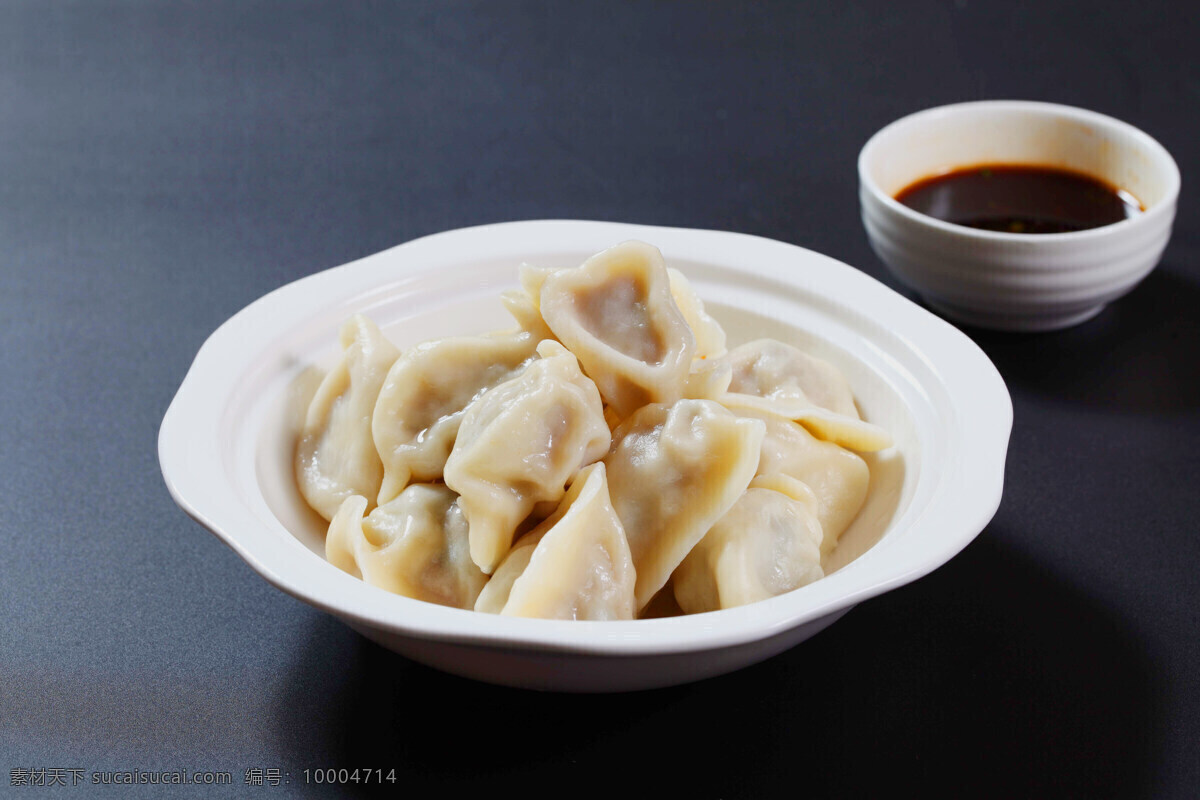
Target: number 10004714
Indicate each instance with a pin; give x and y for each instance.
(349, 776)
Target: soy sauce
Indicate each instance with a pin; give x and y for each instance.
(1017, 198)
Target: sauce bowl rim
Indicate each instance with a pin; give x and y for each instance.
(1166, 161)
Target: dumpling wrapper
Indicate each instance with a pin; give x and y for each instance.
(767, 544)
(520, 443)
(710, 336)
(777, 371)
(416, 545)
(839, 478)
(673, 471)
(525, 303)
(615, 312)
(849, 432)
(495, 593)
(336, 456)
(421, 403)
(579, 565)
(708, 379)
(774, 376)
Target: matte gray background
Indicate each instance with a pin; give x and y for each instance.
(164, 164)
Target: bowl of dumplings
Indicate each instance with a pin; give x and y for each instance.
(588, 456)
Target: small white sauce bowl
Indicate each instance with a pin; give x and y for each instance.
(1014, 281)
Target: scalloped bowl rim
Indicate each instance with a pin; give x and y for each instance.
(974, 404)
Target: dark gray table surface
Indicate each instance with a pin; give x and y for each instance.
(164, 164)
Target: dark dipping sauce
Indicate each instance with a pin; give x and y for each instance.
(1016, 198)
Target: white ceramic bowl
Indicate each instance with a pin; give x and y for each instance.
(227, 441)
(1015, 281)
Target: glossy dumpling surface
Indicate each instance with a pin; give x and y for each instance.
(776, 377)
(525, 303)
(838, 478)
(520, 443)
(495, 593)
(775, 370)
(673, 471)
(425, 394)
(710, 336)
(336, 456)
(617, 315)
(850, 432)
(767, 544)
(708, 379)
(416, 545)
(581, 567)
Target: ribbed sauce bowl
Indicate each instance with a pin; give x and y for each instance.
(1016, 281)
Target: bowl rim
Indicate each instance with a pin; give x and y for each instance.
(1166, 207)
(966, 498)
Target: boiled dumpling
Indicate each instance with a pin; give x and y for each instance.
(528, 318)
(579, 566)
(709, 375)
(525, 303)
(673, 471)
(774, 376)
(616, 314)
(421, 403)
(416, 545)
(767, 544)
(336, 455)
(499, 586)
(520, 443)
(708, 379)
(838, 477)
(777, 371)
(495, 594)
(710, 336)
(849, 432)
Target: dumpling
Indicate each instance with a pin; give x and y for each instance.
(710, 336)
(336, 457)
(673, 471)
(708, 379)
(616, 314)
(709, 375)
(526, 314)
(777, 371)
(579, 566)
(773, 376)
(838, 477)
(520, 443)
(767, 544)
(421, 403)
(415, 545)
(849, 432)
(525, 303)
(495, 593)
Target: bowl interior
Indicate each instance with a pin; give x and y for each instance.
(427, 307)
(952, 137)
